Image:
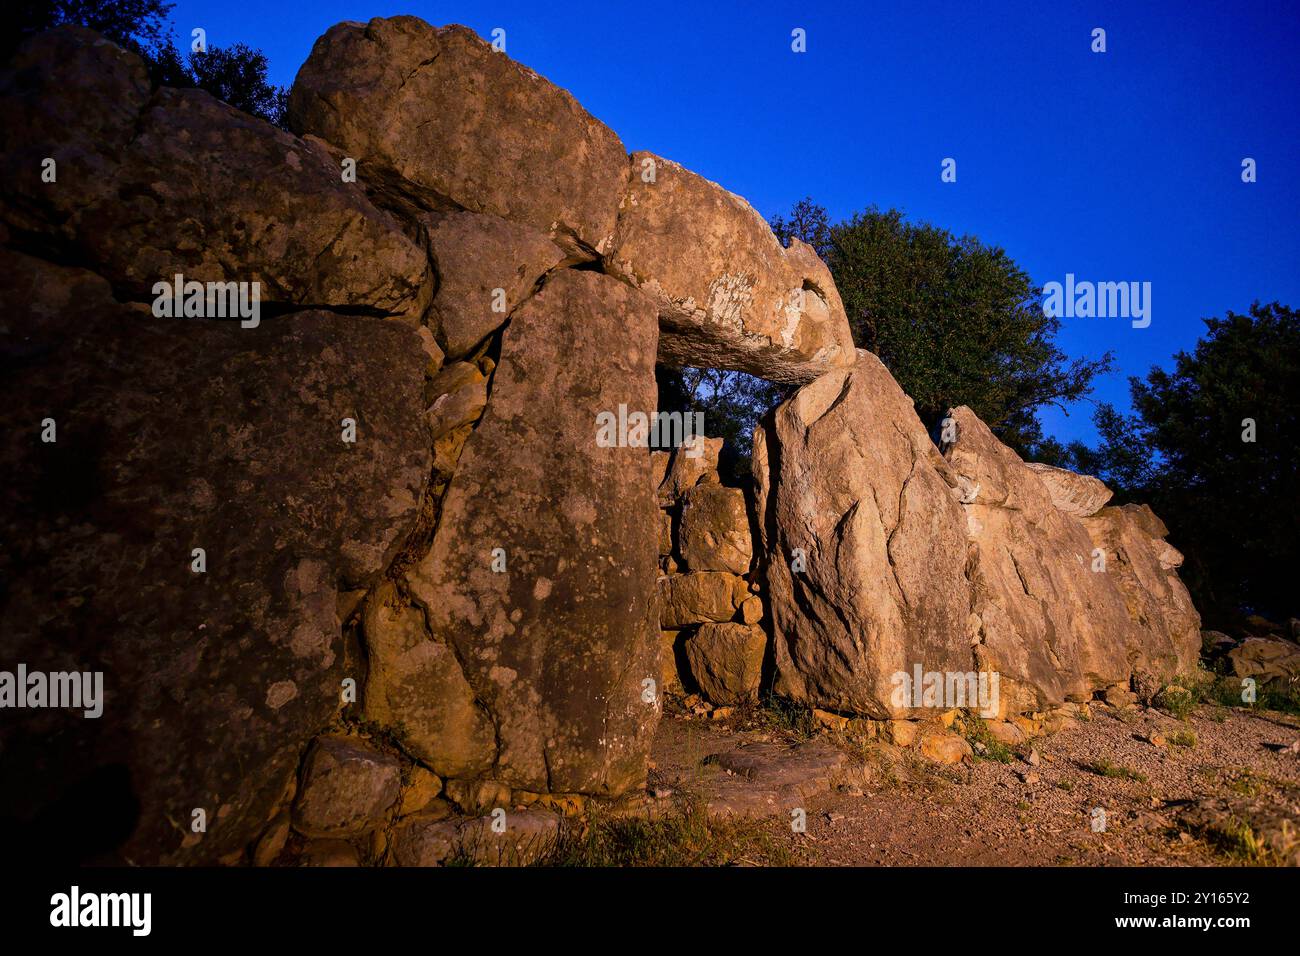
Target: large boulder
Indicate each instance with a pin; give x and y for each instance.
(556, 646)
(1144, 567)
(1075, 494)
(691, 463)
(700, 597)
(1266, 659)
(441, 116)
(173, 435)
(415, 686)
(864, 541)
(1053, 617)
(347, 788)
(1052, 627)
(180, 183)
(729, 295)
(726, 661)
(714, 533)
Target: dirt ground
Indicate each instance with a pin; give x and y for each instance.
(1222, 786)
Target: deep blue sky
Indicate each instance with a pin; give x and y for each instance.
(1117, 166)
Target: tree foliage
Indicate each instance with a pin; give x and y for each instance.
(732, 403)
(139, 25)
(236, 74)
(956, 321)
(1230, 503)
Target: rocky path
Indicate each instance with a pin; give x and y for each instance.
(1220, 787)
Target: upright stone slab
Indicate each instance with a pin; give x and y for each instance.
(556, 647)
(864, 541)
(1145, 568)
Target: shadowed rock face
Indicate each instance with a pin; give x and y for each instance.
(738, 300)
(445, 117)
(177, 434)
(849, 480)
(150, 185)
(556, 647)
(476, 256)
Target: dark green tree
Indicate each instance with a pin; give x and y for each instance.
(732, 403)
(139, 25)
(956, 321)
(237, 75)
(1230, 502)
(809, 223)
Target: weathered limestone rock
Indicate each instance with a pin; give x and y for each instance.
(670, 648)
(446, 118)
(726, 661)
(1075, 494)
(420, 790)
(1143, 566)
(182, 183)
(751, 610)
(665, 533)
(272, 841)
(1050, 626)
(176, 435)
(943, 746)
(478, 796)
(556, 647)
(332, 853)
(1005, 732)
(738, 300)
(686, 599)
(347, 789)
(73, 96)
(476, 255)
(528, 835)
(770, 779)
(690, 465)
(1266, 659)
(1053, 624)
(659, 467)
(416, 686)
(715, 530)
(462, 394)
(852, 492)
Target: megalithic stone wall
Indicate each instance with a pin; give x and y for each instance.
(357, 560)
(378, 509)
(885, 555)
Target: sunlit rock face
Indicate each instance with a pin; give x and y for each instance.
(738, 300)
